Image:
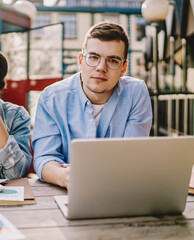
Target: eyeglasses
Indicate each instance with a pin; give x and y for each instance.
(112, 62)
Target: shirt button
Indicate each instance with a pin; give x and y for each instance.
(91, 120)
(88, 103)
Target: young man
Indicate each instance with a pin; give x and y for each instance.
(96, 102)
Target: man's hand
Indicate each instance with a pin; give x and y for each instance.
(53, 173)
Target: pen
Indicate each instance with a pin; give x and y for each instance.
(65, 165)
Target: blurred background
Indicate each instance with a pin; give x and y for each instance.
(42, 39)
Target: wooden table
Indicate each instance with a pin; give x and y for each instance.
(45, 221)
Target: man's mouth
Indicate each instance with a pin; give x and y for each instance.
(100, 79)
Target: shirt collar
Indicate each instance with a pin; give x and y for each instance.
(83, 98)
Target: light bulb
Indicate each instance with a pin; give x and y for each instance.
(26, 8)
(155, 10)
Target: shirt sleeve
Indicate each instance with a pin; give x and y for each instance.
(15, 157)
(140, 117)
(46, 142)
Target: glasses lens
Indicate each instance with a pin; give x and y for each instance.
(92, 59)
(113, 63)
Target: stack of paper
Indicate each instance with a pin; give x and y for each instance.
(12, 194)
(17, 192)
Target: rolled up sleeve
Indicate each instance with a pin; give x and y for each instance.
(46, 138)
(15, 157)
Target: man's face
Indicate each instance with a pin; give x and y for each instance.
(99, 81)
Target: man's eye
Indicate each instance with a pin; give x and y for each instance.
(113, 60)
(93, 57)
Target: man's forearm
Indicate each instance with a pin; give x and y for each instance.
(3, 134)
(53, 173)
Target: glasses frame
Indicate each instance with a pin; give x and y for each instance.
(84, 54)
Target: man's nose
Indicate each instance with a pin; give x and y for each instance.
(102, 66)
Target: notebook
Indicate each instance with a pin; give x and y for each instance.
(120, 177)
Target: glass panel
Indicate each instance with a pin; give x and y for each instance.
(14, 46)
(70, 61)
(33, 97)
(46, 52)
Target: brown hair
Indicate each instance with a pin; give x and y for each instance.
(107, 31)
(3, 70)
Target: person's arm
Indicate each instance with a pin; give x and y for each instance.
(53, 173)
(49, 150)
(139, 121)
(15, 156)
(3, 134)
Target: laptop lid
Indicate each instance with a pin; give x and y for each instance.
(119, 177)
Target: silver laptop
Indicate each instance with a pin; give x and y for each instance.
(119, 177)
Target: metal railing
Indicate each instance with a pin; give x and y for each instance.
(175, 114)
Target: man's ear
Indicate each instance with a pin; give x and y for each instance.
(80, 59)
(124, 68)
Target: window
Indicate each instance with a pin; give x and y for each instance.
(70, 25)
(140, 26)
(111, 18)
(41, 20)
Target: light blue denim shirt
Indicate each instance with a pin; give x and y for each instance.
(15, 157)
(64, 113)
